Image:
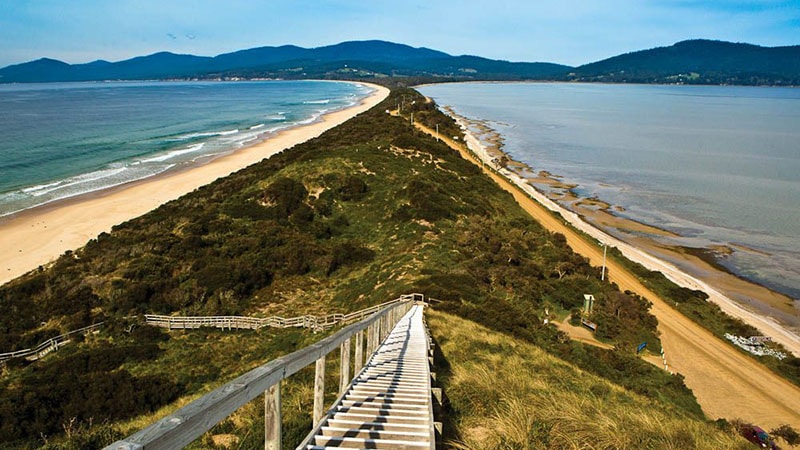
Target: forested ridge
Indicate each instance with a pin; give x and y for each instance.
(697, 61)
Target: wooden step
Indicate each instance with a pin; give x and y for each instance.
(397, 435)
(348, 442)
(375, 417)
(385, 411)
(388, 426)
(386, 394)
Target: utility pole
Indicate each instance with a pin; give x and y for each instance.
(412, 118)
(603, 271)
(437, 132)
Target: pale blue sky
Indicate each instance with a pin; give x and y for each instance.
(563, 31)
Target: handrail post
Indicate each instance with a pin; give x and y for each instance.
(379, 333)
(376, 329)
(359, 362)
(319, 390)
(344, 366)
(368, 343)
(272, 417)
(382, 329)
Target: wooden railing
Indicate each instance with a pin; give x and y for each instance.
(316, 323)
(190, 422)
(47, 346)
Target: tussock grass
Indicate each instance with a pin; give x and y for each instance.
(505, 394)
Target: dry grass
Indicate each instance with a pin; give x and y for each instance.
(511, 395)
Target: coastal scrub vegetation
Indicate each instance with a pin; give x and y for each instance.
(503, 393)
(368, 211)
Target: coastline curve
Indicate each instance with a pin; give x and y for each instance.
(36, 237)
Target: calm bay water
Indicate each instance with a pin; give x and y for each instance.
(63, 139)
(717, 165)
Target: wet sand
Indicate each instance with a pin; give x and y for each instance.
(36, 237)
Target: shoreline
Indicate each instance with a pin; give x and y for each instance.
(700, 262)
(35, 237)
(648, 252)
(719, 374)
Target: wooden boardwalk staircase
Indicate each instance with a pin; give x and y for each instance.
(388, 405)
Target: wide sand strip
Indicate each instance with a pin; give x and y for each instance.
(38, 236)
(726, 382)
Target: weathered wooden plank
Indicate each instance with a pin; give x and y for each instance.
(359, 354)
(272, 417)
(319, 390)
(344, 366)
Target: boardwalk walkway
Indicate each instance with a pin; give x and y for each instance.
(388, 405)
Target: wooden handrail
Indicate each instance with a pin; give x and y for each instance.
(53, 342)
(190, 422)
(317, 323)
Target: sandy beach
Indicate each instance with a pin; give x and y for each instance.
(38, 236)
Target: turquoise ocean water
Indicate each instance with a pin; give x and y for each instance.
(718, 165)
(58, 140)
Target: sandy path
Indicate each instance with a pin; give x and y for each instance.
(580, 334)
(726, 382)
(38, 236)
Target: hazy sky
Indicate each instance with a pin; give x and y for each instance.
(563, 31)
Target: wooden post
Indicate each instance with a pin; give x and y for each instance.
(272, 417)
(359, 362)
(319, 390)
(373, 339)
(344, 367)
(376, 329)
(384, 328)
(367, 348)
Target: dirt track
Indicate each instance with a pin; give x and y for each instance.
(726, 382)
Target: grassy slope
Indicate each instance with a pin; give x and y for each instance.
(504, 393)
(368, 211)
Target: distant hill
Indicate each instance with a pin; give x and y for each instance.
(354, 59)
(698, 62)
(690, 62)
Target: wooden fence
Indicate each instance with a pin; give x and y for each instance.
(190, 422)
(316, 323)
(50, 345)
